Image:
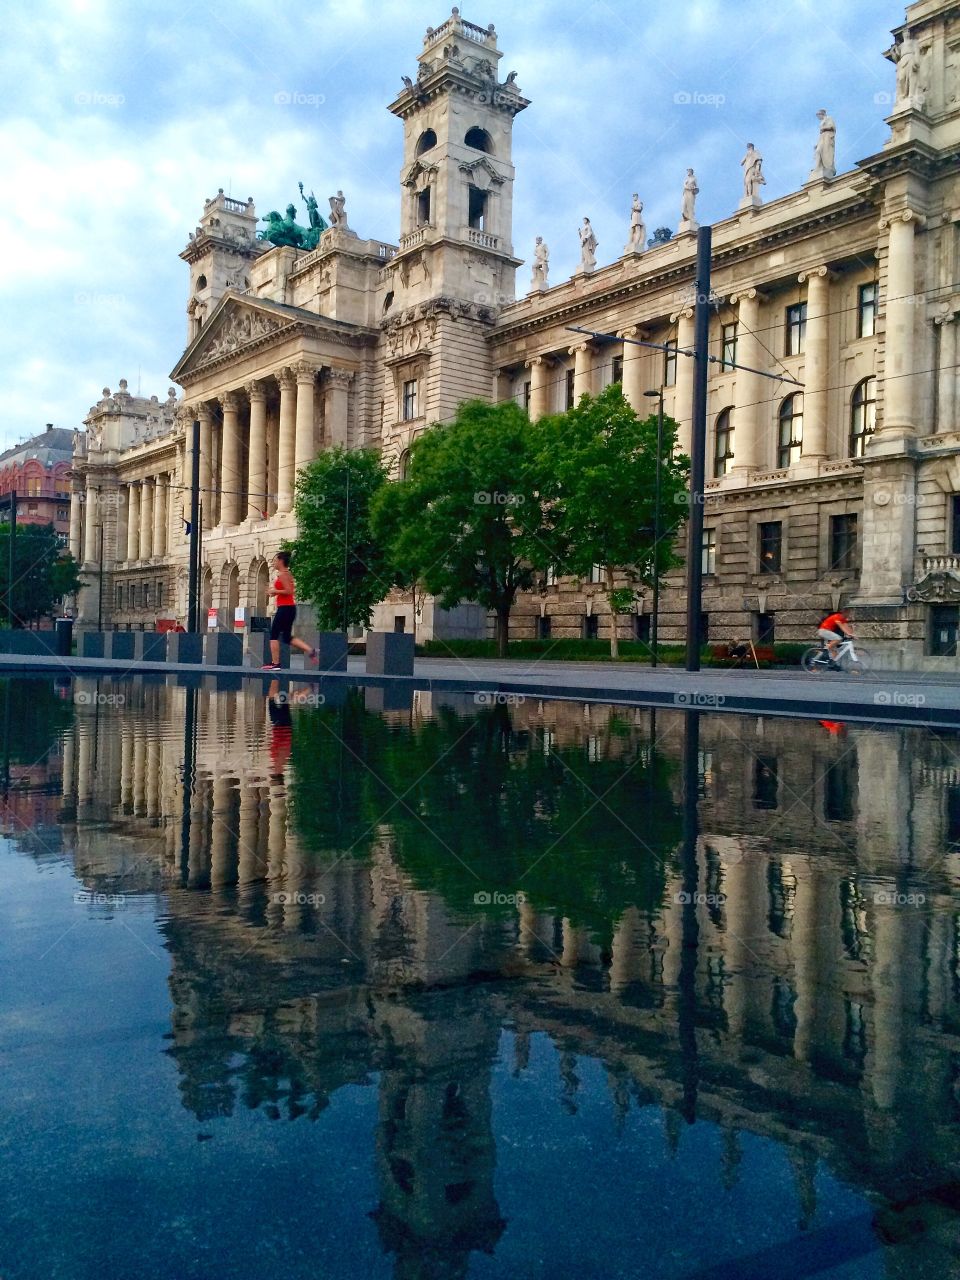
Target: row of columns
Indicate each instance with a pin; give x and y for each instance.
(147, 506)
(749, 397)
(245, 478)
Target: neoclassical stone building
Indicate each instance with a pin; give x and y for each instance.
(840, 486)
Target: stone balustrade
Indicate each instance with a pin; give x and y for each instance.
(941, 564)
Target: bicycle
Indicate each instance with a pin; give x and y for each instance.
(852, 661)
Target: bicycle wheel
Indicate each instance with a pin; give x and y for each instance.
(812, 660)
(858, 666)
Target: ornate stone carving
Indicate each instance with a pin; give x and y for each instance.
(910, 89)
(825, 152)
(588, 247)
(688, 204)
(342, 378)
(636, 241)
(304, 371)
(255, 390)
(753, 179)
(230, 401)
(541, 265)
(936, 586)
(237, 330)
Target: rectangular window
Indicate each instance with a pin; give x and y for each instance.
(159, 595)
(944, 626)
(569, 402)
(723, 444)
(770, 544)
(423, 208)
(543, 627)
(866, 310)
(796, 329)
(550, 578)
(591, 626)
(477, 208)
(400, 622)
(616, 374)
(410, 400)
(119, 596)
(955, 524)
(843, 543)
(708, 554)
(132, 594)
(526, 395)
(728, 346)
(641, 627)
(596, 573)
(146, 595)
(765, 628)
(670, 363)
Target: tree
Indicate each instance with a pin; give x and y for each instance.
(335, 544)
(471, 521)
(603, 460)
(43, 573)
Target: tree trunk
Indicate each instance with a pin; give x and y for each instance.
(503, 631)
(614, 638)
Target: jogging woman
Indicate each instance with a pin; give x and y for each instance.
(284, 589)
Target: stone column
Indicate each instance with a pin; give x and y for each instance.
(75, 548)
(286, 454)
(901, 311)
(306, 386)
(230, 478)
(747, 386)
(205, 418)
(816, 364)
(160, 515)
(257, 472)
(90, 524)
(632, 384)
(683, 395)
(539, 386)
(146, 519)
(133, 520)
(948, 374)
(337, 405)
(582, 354)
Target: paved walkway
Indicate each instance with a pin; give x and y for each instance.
(902, 697)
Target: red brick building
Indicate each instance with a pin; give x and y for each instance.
(38, 470)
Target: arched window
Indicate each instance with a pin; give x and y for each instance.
(201, 282)
(403, 465)
(723, 443)
(790, 438)
(863, 416)
(479, 139)
(426, 140)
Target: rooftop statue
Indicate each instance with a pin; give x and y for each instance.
(825, 152)
(688, 209)
(753, 178)
(287, 231)
(317, 223)
(541, 265)
(638, 228)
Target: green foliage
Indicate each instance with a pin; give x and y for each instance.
(43, 573)
(498, 812)
(32, 717)
(621, 600)
(603, 461)
(335, 493)
(471, 521)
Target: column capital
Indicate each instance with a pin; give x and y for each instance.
(902, 215)
(204, 412)
(230, 401)
(304, 371)
(255, 390)
(631, 331)
(814, 273)
(685, 313)
(286, 378)
(579, 346)
(749, 294)
(338, 377)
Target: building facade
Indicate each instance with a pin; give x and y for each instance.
(38, 472)
(840, 484)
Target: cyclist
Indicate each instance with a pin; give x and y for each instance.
(832, 630)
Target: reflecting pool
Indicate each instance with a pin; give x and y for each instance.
(298, 983)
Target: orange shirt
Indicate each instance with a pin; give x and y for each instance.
(832, 623)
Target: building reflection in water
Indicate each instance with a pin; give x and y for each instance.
(750, 922)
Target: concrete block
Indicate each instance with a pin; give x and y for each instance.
(118, 645)
(150, 646)
(256, 650)
(389, 653)
(184, 646)
(29, 643)
(392, 698)
(91, 644)
(331, 649)
(222, 649)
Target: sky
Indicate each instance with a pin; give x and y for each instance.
(118, 118)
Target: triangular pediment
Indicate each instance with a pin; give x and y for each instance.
(234, 325)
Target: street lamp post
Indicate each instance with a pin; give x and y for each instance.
(655, 617)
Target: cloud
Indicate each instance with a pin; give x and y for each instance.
(118, 118)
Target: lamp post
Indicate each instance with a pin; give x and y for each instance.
(655, 617)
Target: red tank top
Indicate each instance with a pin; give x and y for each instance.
(282, 597)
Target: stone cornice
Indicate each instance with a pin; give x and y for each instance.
(913, 157)
(452, 78)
